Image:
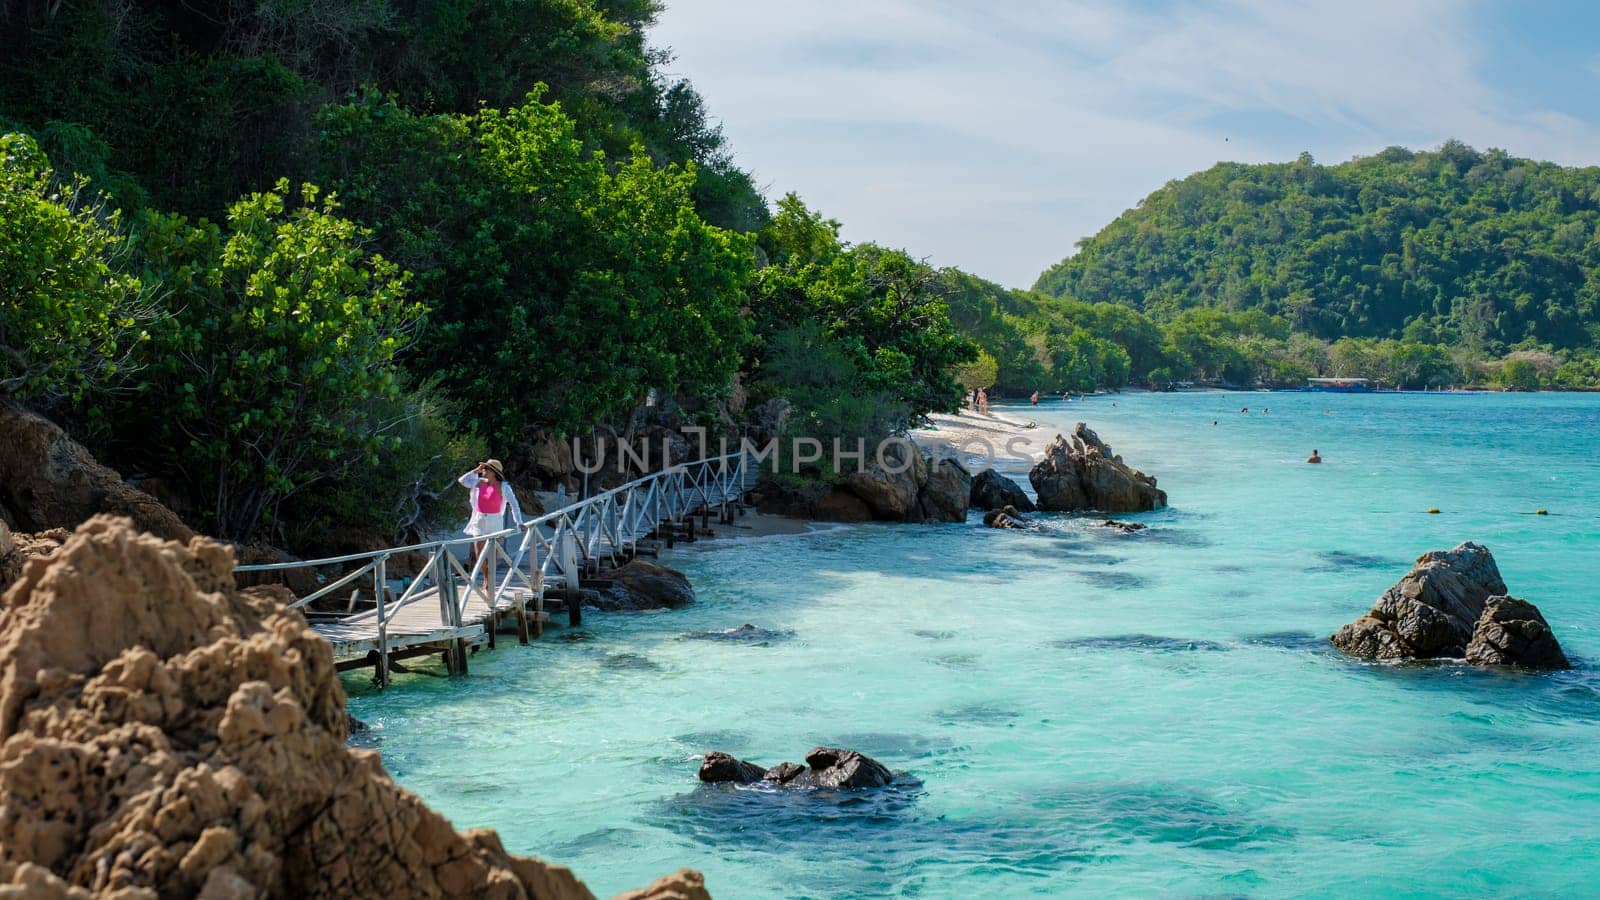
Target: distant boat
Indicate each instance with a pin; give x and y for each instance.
(1339, 385)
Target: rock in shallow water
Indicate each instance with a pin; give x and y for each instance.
(1453, 604)
(643, 585)
(718, 767)
(945, 495)
(991, 490)
(829, 767)
(1079, 472)
(1007, 517)
(1513, 632)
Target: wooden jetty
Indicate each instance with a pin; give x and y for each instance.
(452, 606)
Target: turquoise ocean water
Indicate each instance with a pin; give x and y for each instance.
(1087, 713)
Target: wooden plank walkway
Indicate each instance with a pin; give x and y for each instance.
(422, 620)
(539, 565)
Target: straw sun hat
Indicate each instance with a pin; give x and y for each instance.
(494, 466)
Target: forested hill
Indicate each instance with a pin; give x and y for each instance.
(1478, 250)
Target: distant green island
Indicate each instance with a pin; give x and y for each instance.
(1418, 270)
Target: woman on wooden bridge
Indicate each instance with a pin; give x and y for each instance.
(491, 497)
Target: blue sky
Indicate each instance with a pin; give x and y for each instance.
(993, 136)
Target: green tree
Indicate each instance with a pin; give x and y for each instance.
(68, 316)
(563, 288)
(980, 373)
(264, 380)
(1519, 375)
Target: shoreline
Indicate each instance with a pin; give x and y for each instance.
(981, 441)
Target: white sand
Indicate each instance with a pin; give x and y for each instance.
(982, 441)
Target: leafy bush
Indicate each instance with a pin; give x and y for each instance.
(274, 372)
(563, 289)
(67, 316)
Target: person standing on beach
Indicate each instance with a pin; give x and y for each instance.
(983, 402)
(1035, 398)
(490, 497)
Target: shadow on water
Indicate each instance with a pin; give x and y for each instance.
(1557, 697)
(634, 662)
(600, 838)
(1335, 560)
(705, 741)
(1156, 814)
(978, 714)
(754, 635)
(1289, 640)
(931, 635)
(961, 662)
(1171, 537)
(866, 843)
(1148, 643)
(1117, 581)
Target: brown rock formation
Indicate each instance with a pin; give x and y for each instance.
(684, 884)
(946, 493)
(16, 549)
(1513, 632)
(1453, 604)
(1008, 517)
(839, 505)
(48, 480)
(1079, 472)
(991, 490)
(165, 734)
(826, 767)
(890, 488)
(640, 584)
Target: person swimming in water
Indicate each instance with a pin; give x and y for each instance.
(1314, 457)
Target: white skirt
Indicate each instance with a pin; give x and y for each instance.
(483, 523)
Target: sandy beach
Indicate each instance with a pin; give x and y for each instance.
(982, 441)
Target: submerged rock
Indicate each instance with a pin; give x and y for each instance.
(1007, 517)
(1079, 472)
(1452, 600)
(1123, 527)
(826, 767)
(746, 633)
(164, 733)
(991, 490)
(642, 585)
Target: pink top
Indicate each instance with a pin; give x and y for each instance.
(490, 500)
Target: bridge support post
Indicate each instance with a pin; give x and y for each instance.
(569, 568)
(380, 590)
(450, 592)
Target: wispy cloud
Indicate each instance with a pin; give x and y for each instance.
(992, 136)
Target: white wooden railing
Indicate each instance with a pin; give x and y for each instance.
(555, 547)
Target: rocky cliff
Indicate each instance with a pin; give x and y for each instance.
(166, 734)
